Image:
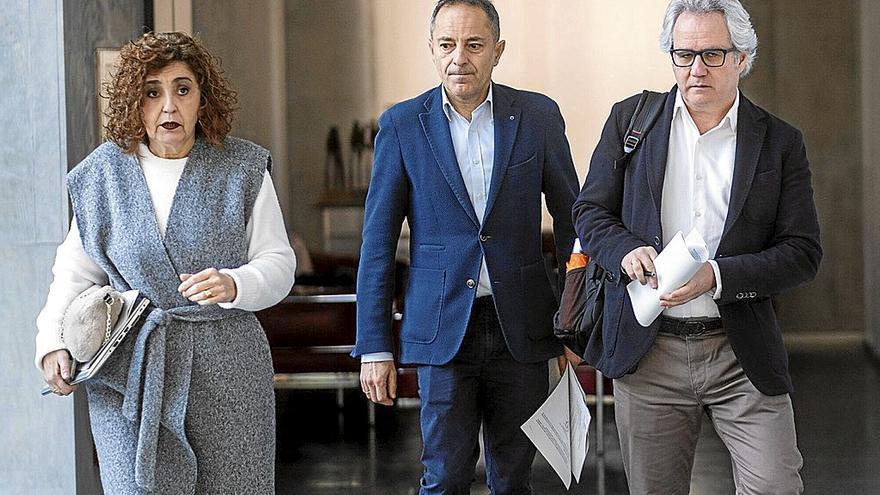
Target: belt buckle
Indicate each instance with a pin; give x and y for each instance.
(700, 328)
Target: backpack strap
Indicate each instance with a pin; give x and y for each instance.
(645, 115)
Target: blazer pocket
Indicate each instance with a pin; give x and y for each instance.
(538, 301)
(423, 304)
(763, 199)
(432, 247)
(615, 298)
(522, 166)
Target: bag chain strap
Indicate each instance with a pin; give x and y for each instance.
(108, 301)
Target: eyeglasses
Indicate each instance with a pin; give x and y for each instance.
(712, 57)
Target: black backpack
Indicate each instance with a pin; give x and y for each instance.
(578, 322)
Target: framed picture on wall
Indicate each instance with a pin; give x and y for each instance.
(106, 59)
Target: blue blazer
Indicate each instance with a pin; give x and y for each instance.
(770, 240)
(416, 177)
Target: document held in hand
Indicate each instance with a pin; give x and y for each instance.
(674, 266)
(134, 308)
(559, 428)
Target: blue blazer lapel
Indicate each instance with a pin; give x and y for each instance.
(436, 127)
(750, 130)
(506, 116)
(657, 147)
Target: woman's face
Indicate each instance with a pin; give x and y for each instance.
(170, 110)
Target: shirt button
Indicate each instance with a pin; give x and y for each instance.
(484, 238)
(476, 162)
(471, 284)
(697, 214)
(699, 177)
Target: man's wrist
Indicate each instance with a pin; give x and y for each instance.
(376, 357)
(715, 291)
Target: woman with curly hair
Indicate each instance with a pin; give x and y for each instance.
(175, 208)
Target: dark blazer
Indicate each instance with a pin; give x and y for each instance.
(416, 176)
(770, 240)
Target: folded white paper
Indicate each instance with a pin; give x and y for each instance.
(559, 428)
(674, 267)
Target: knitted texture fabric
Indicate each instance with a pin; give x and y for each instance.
(162, 408)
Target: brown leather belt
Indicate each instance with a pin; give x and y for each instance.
(689, 326)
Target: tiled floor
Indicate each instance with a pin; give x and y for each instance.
(837, 408)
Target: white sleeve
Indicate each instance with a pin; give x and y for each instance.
(375, 357)
(73, 273)
(717, 294)
(267, 277)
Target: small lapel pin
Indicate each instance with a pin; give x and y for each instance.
(511, 117)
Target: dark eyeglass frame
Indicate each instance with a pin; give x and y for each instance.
(696, 53)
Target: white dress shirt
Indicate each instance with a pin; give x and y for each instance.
(260, 283)
(696, 191)
(474, 143)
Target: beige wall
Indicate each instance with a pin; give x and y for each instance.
(576, 52)
(249, 37)
(870, 74)
(329, 83)
(808, 74)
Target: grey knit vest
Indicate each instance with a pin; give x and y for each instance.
(206, 228)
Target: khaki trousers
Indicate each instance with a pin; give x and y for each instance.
(658, 412)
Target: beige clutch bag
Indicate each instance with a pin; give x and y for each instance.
(88, 321)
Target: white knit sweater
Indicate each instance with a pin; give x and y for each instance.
(269, 271)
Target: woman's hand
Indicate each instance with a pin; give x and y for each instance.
(209, 286)
(56, 371)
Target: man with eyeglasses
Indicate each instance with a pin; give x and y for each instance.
(717, 163)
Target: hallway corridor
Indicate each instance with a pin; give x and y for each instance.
(837, 409)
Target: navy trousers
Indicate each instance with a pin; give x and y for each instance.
(483, 385)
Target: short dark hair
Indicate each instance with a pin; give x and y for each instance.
(485, 5)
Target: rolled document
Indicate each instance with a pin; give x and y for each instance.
(674, 267)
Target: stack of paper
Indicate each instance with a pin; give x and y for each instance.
(674, 267)
(559, 428)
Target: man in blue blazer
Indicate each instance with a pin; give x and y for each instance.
(466, 164)
(717, 163)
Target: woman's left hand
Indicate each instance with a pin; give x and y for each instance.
(209, 286)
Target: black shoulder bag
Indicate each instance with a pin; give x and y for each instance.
(578, 322)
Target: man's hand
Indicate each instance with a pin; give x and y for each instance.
(639, 265)
(703, 281)
(568, 357)
(379, 381)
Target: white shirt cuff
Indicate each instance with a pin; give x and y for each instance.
(236, 278)
(717, 295)
(375, 357)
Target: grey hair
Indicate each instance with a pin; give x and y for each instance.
(485, 5)
(739, 25)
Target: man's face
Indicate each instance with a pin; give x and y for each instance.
(464, 52)
(706, 89)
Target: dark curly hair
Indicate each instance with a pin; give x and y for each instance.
(150, 53)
